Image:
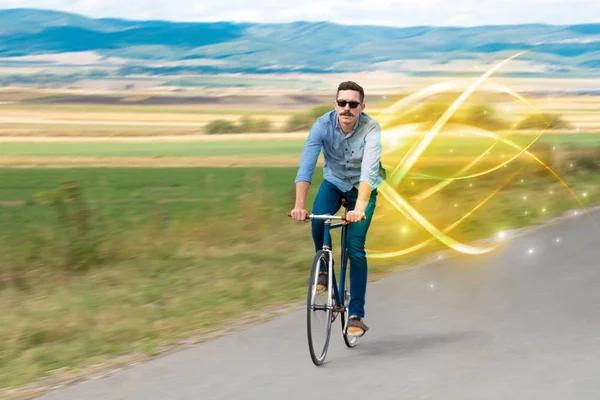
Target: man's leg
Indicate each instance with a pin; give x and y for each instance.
(327, 201)
(355, 242)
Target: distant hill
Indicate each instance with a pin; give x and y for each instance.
(299, 46)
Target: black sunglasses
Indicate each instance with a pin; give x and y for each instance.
(352, 104)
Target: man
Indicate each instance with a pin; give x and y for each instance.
(351, 143)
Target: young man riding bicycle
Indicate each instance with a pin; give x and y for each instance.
(351, 144)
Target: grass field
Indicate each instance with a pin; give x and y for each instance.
(181, 252)
(110, 116)
(204, 149)
(440, 147)
(169, 254)
(152, 257)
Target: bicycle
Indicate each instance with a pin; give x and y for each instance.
(333, 305)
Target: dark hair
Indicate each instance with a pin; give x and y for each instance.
(349, 85)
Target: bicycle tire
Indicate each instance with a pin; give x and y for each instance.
(317, 352)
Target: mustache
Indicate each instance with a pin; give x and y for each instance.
(349, 114)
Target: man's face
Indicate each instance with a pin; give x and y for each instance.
(346, 113)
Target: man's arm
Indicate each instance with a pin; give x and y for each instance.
(364, 193)
(308, 161)
(369, 169)
(301, 192)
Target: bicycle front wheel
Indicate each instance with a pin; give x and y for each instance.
(349, 340)
(318, 314)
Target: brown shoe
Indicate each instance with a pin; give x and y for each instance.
(322, 282)
(356, 326)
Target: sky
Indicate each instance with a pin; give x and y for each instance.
(371, 12)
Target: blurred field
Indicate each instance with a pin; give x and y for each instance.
(200, 149)
(154, 114)
(182, 245)
(445, 150)
(120, 120)
(171, 253)
(180, 252)
(165, 254)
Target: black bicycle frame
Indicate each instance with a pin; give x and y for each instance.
(327, 245)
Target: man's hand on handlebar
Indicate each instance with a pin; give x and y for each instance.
(299, 214)
(355, 216)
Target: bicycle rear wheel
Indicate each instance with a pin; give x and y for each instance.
(318, 314)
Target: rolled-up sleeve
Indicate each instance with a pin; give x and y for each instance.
(369, 171)
(310, 154)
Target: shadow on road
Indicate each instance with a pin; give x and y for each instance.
(407, 344)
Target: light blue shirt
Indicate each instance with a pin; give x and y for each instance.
(349, 159)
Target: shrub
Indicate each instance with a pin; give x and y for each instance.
(305, 121)
(478, 115)
(587, 162)
(299, 122)
(220, 126)
(83, 238)
(485, 117)
(318, 111)
(543, 121)
(246, 124)
(249, 124)
(262, 125)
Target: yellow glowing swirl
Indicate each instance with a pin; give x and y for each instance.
(401, 170)
(413, 155)
(448, 229)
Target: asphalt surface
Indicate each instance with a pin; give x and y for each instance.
(521, 323)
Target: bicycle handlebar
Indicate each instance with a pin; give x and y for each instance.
(325, 216)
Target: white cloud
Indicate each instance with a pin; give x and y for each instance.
(379, 12)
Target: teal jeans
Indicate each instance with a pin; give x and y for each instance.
(328, 201)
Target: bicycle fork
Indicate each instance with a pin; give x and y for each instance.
(335, 298)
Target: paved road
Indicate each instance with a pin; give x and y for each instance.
(513, 325)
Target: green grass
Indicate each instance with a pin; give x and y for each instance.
(441, 146)
(573, 140)
(173, 253)
(182, 251)
(193, 149)
(472, 146)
